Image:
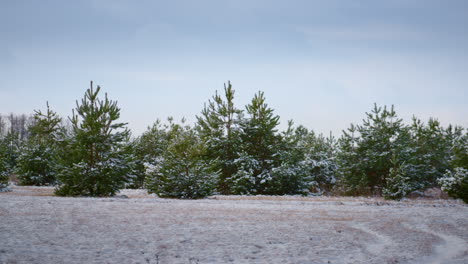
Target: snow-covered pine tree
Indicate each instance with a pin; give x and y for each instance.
(37, 158)
(320, 159)
(219, 128)
(366, 151)
(181, 171)
(92, 160)
(351, 178)
(259, 150)
(455, 179)
(290, 176)
(9, 151)
(455, 183)
(400, 180)
(458, 141)
(146, 148)
(431, 152)
(307, 163)
(4, 170)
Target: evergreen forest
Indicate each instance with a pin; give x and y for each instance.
(230, 150)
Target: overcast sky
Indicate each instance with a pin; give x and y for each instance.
(321, 63)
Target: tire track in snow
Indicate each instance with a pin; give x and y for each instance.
(380, 243)
(451, 249)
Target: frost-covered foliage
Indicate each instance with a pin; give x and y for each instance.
(251, 176)
(147, 147)
(3, 172)
(385, 155)
(399, 181)
(36, 165)
(366, 151)
(9, 145)
(258, 154)
(37, 159)
(319, 158)
(308, 163)
(429, 155)
(181, 171)
(219, 128)
(92, 158)
(423, 157)
(455, 183)
(458, 141)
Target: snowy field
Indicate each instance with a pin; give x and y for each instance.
(36, 227)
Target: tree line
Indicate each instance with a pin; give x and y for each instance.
(231, 150)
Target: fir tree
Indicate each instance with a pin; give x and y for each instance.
(92, 159)
(36, 163)
(219, 129)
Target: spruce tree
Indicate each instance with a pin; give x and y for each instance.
(38, 155)
(219, 128)
(92, 159)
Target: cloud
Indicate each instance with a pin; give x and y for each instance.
(361, 33)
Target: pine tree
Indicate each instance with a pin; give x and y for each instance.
(430, 152)
(366, 151)
(92, 159)
(258, 155)
(219, 128)
(4, 168)
(400, 180)
(455, 179)
(9, 151)
(36, 162)
(457, 138)
(307, 163)
(455, 183)
(181, 171)
(146, 148)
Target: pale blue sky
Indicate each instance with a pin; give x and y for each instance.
(321, 63)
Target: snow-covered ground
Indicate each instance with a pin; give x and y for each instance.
(36, 227)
